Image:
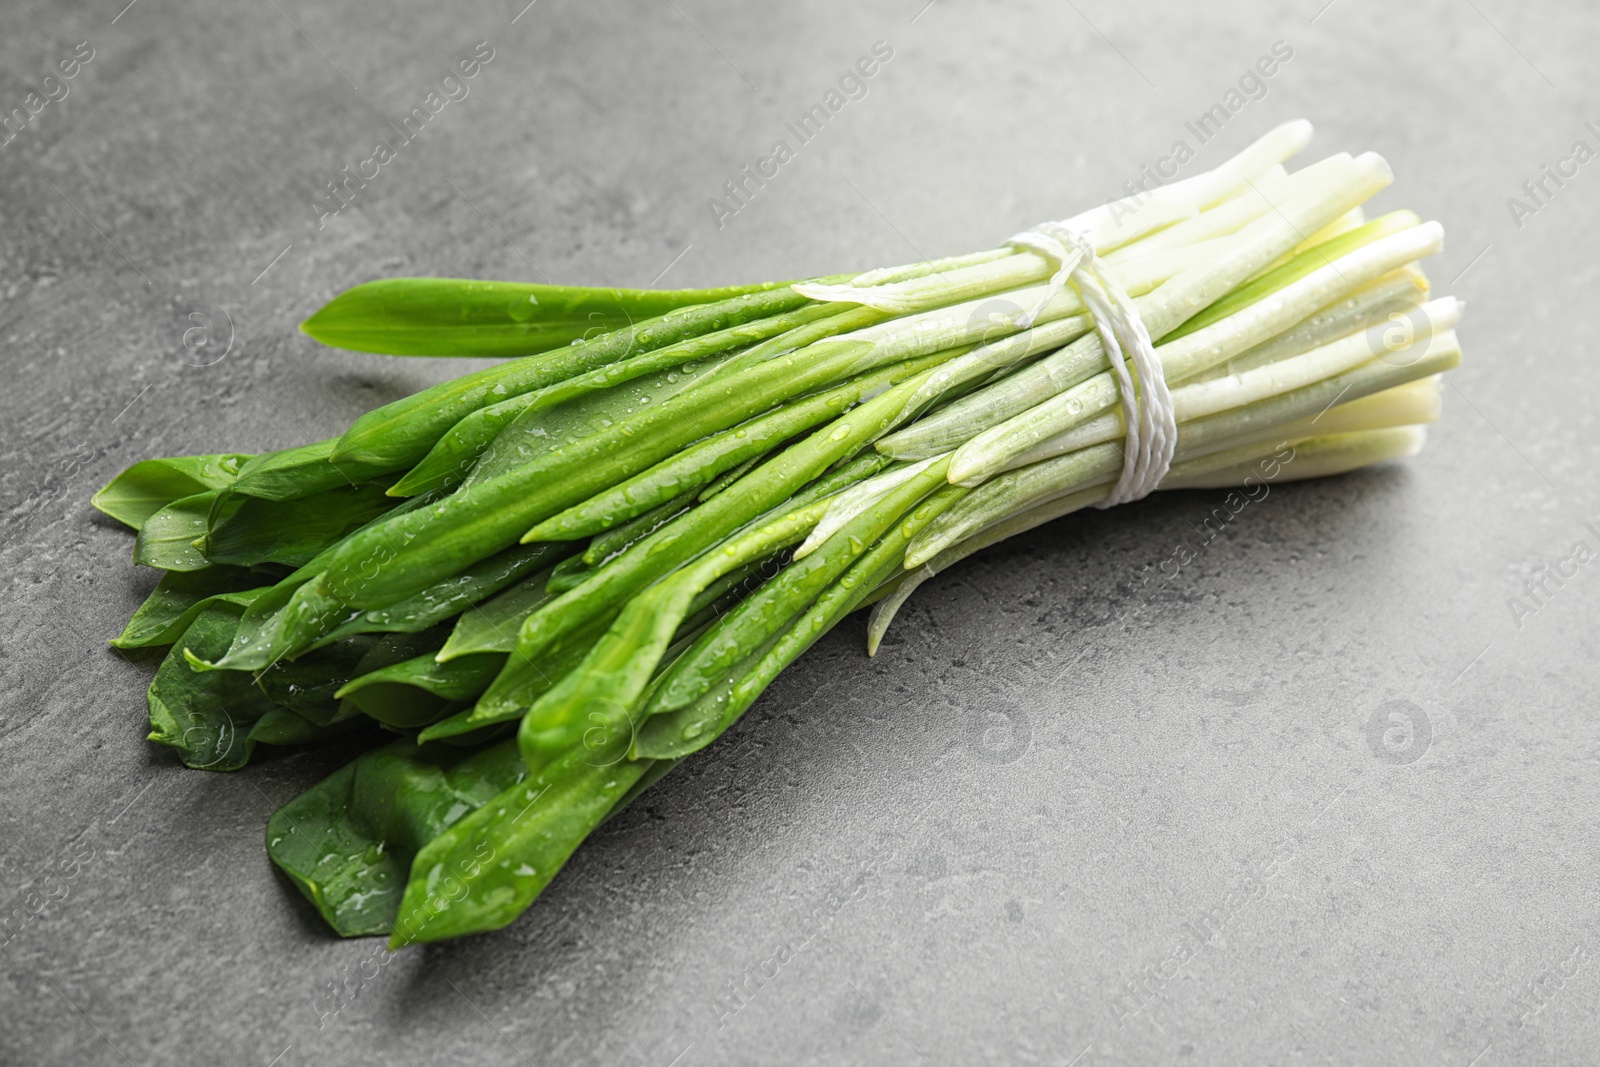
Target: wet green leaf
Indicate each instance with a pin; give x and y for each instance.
(348, 842)
(463, 317)
(147, 487)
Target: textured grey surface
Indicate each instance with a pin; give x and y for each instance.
(1048, 788)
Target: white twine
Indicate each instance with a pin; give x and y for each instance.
(1151, 421)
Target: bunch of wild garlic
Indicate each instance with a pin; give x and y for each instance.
(548, 581)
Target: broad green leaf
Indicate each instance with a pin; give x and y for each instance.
(307, 684)
(462, 317)
(486, 869)
(280, 726)
(688, 729)
(299, 472)
(403, 432)
(447, 599)
(166, 539)
(180, 595)
(147, 487)
(569, 574)
(492, 625)
(253, 530)
(206, 716)
(420, 690)
(289, 617)
(348, 842)
(544, 428)
(520, 682)
(548, 413)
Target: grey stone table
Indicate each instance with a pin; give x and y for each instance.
(1327, 796)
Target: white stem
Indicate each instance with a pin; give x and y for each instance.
(1199, 399)
(1315, 457)
(1252, 201)
(995, 448)
(1399, 289)
(1162, 311)
(1414, 403)
(1048, 479)
(1111, 227)
(1311, 457)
